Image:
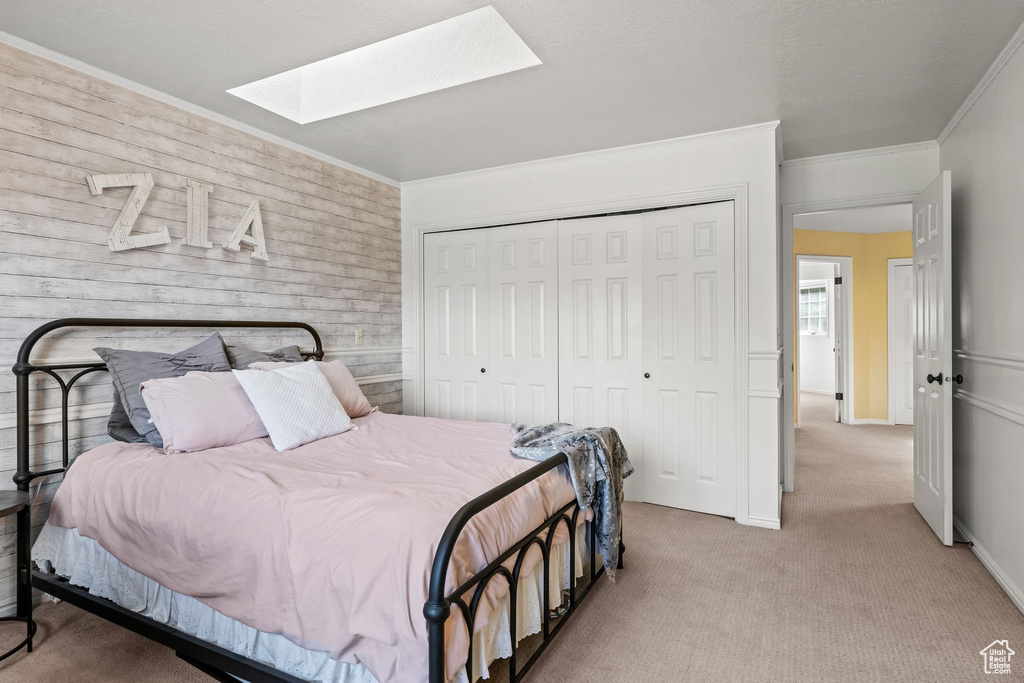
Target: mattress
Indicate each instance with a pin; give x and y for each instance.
(329, 544)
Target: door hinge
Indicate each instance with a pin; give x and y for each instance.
(839, 280)
(839, 396)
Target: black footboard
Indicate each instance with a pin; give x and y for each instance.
(439, 605)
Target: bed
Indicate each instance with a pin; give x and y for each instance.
(409, 549)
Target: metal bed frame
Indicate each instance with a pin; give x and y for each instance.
(224, 665)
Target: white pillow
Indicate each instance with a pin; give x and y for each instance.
(296, 404)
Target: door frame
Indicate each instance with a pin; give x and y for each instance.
(788, 426)
(890, 267)
(745, 357)
(846, 272)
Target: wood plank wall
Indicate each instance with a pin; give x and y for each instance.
(332, 235)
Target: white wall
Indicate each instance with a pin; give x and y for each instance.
(817, 351)
(635, 177)
(983, 153)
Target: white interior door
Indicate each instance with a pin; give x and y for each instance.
(689, 358)
(523, 293)
(901, 300)
(839, 334)
(456, 332)
(599, 322)
(933, 400)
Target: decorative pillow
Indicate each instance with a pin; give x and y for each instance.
(129, 369)
(343, 384)
(201, 410)
(242, 357)
(295, 403)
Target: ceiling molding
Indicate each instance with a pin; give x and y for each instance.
(728, 132)
(77, 65)
(863, 153)
(1004, 58)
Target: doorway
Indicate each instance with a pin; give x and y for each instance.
(823, 316)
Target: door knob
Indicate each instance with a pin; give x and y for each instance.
(935, 378)
(959, 379)
(483, 369)
(647, 375)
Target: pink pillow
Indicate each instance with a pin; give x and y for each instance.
(201, 410)
(343, 384)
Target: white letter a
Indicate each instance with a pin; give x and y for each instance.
(250, 219)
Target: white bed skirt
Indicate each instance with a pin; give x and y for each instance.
(85, 563)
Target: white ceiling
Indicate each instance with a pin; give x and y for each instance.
(840, 74)
(866, 219)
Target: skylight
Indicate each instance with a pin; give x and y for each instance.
(463, 49)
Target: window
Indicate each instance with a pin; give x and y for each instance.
(813, 309)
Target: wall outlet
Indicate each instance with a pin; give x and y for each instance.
(359, 337)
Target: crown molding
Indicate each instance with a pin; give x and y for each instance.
(610, 151)
(77, 65)
(1001, 62)
(863, 153)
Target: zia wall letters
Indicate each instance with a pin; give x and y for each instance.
(248, 231)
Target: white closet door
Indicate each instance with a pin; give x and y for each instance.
(689, 425)
(523, 283)
(599, 322)
(455, 311)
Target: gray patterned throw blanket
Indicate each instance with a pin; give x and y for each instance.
(598, 464)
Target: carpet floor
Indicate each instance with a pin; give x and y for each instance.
(855, 587)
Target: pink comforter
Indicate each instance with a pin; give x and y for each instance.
(329, 544)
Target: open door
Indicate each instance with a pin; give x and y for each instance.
(933, 356)
(839, 351)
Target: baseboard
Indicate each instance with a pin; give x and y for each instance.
(1016, 594)
(817, 391)
(871, 422)
(764, 522)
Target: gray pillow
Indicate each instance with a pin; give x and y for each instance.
(119, 426)
(129, 369)
(242, 357)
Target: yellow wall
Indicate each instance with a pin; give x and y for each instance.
(870, 254)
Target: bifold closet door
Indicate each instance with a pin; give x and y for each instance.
(689, 358)
(491, 324)
(523, 314)
(599, 319)
(455, 330)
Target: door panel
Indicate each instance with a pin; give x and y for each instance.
(689, 344)
(933, 356)
(456, 333)
(599, 324)
(902, 301)
(839, 338)
(523, 286)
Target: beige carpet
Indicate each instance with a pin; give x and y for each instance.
(854, 588)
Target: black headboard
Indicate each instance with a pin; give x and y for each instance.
(23, 368)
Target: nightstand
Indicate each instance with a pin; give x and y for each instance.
(11, 503)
